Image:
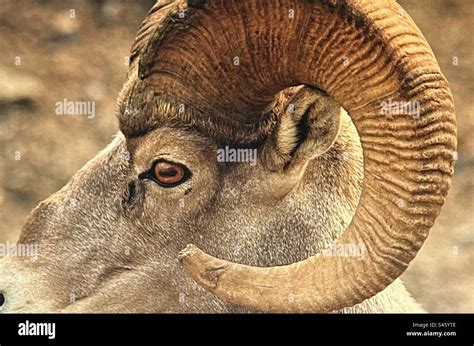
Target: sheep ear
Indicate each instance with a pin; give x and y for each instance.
(307, 127)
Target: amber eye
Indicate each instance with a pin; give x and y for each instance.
(167, 174)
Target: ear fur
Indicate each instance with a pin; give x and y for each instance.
(307, 127)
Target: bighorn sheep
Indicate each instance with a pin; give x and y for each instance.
(261, 75)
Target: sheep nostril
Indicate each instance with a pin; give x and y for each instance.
(2, 299)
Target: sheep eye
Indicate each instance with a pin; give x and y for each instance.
(167, 174)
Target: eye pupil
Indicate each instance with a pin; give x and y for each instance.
(168, 173)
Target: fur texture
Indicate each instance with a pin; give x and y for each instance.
(119, 252)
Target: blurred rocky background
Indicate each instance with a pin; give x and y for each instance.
(77, 50)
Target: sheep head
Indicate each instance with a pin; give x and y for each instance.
(268, 79)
